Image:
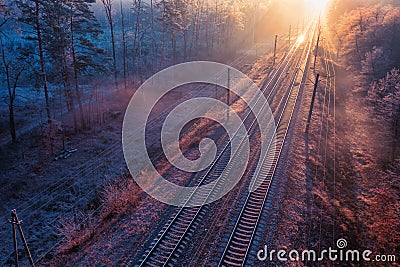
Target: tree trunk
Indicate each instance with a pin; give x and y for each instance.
(185, 32)
(113, 52)
(77, 90)
(71, 105)
(68, 93)
(41, 56)
(153, 37)
(215, 26)
(136, 36)
(12, 123)
(67, 84)
(11, 91)
(173, 40)
(207, 37)
(197, 37)
(108, 9)
(358, 49)
(124, 45)
(194, 25)
(162, 43)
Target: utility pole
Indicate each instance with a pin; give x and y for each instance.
(228, 94)
(276, 41)
(316, 50)
(312, 103)
(17, 223)
(290, 32)
(254, 23)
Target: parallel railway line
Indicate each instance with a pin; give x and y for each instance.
(32, 208)
(169, 244)
(238, 246)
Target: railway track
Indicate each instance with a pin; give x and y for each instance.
(32, 208)
(175, 235)
(239, 243)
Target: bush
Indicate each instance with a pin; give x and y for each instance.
(118, 196)
(75, 230)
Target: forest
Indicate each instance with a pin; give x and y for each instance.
(55, 54)
(367, 37)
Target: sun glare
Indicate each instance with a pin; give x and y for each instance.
(300, 39)
(317, 5)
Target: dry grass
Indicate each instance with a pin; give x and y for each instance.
(75, 230)
(118, 196)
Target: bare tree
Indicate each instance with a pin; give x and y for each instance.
(41, 56)
(385, 95)
(13, 68)
(75, 66)
(124, 49)
(109, 14)
(137, 7)
(196, 13)
(163, 4)
(153, 34)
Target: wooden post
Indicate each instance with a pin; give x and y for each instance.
(16, 222)
(312, 103)
(15, 240)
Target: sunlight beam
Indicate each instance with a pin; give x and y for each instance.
(316, 5)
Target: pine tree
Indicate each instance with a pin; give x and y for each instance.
(31, 14)
(57, 40)
(172, 22)
(68, 29)
(84, 28)
(4, 14)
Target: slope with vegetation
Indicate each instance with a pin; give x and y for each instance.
(345, 174)
(367, 38)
